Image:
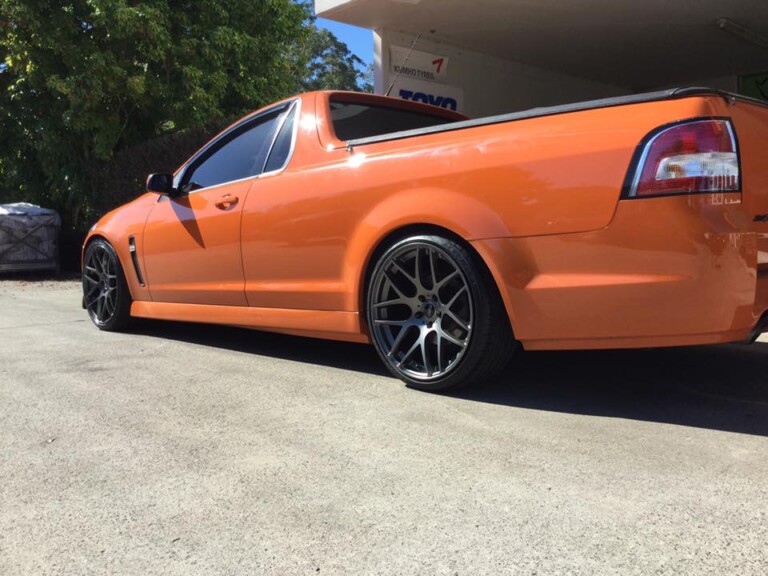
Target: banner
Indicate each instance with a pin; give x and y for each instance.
(441, 95)
(419, 65)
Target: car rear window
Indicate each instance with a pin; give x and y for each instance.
(353, 120)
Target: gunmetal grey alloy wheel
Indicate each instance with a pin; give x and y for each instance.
(435, 318)
(105, 293)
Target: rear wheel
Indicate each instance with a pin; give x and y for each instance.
(436, 319)
(105, 292)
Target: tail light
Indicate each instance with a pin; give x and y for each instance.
(690, 158)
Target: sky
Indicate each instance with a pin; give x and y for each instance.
(359, 40)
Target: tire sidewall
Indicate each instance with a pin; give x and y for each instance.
(478, 293)
(121, 314)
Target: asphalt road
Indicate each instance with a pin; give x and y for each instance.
(186, 449)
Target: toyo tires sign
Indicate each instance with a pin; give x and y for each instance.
(429, 98)
(421, 76)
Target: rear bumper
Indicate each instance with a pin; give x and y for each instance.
(666, 272)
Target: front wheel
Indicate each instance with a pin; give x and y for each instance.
(435, 317)
(105, 292)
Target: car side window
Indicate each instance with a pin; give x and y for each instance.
(242, 155)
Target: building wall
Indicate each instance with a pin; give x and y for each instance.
(493, 85)
(490, 85)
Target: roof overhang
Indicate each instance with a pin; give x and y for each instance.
(628, 43)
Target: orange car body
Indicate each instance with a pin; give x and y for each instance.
(539, 198)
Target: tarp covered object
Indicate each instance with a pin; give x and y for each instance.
(29, 237)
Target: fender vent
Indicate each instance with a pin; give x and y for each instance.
(135, 259)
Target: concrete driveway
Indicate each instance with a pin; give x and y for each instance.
(186, 449)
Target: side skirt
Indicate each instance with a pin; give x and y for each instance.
(344, 326)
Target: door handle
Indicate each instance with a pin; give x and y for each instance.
(226, 202)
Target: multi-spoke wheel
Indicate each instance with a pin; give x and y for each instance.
(435, 319)
(105, 293)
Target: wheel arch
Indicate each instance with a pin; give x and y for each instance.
(90, 239)
(460, 215)
(420, 229)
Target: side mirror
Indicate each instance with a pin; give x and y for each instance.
(160, 184)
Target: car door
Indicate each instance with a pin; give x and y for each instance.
(192, 252)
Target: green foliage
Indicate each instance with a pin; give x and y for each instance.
(331, 65)
(81, 80)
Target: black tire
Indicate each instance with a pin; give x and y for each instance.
(105, 293)
(435, 316)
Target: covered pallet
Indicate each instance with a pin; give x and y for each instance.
(29, 238)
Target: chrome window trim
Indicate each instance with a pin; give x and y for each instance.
(294, 109)
(283, 108)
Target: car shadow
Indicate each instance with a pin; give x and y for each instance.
(342, 355)
(715, 387)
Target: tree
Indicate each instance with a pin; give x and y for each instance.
(331, 65)
(83, 80)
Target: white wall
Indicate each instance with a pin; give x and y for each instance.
(491, 85)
